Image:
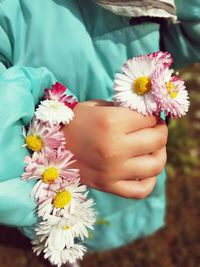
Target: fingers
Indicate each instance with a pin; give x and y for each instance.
(133, 189)
(125, 188)
(129, 121)
(112, 146)
(146, 140)
(113, 118)
(143, 167)
(139, 168)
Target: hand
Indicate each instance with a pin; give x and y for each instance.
(117, 150)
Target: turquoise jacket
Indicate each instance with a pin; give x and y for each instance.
(81, 45)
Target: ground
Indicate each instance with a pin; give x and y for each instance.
(178, 243)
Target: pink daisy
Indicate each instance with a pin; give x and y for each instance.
(170, 93)
(49, 166)
(58, 92)
(41, 136)
(162, 59)
(32, 164)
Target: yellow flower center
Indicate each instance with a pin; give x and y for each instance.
(142, 85)
(66, 227)
(54, 104)
(62, 199)
(172, 89)
(34, 142)
(50, 175)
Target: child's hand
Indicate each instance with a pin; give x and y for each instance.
(117, 150)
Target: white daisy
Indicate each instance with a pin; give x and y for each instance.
(85, 216)
(81, 218)
(60, 232)
(73, 254)
(59, 257)
(54, 112)
(133, 87)
(62, 199)
(70, 255)
(38, 245)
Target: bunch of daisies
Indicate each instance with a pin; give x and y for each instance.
(149, 86)
(65, 213)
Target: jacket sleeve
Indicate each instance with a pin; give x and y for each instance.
(182, 39)
(20, 90)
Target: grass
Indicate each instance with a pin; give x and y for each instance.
(176, 245)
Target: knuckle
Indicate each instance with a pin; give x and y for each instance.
(164, 158)
(150, 120)
(97, 185)
(166, 130)
(157, 167)
(104, 175)
(163, 135)
(105, 122)
(110, 151)
(142, 192)
(147, 188)
(140, 195)
(162, 139)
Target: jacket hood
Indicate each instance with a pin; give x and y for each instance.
(139, 8)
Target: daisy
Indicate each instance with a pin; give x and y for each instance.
(40, 136)
(32, 164)
(58, 92)
(170, 93)
(133, 87)
(161, 59)
(41, 190)
(38, 244)
(49, 168)
(58, 257)
(62, 200)
(60, 232)
(57, 231)
(74, 253)
(81, 219)
(50, 165)
(54, 112)
(68, 255)
(87, 213)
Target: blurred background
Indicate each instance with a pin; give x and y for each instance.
(178, 243)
